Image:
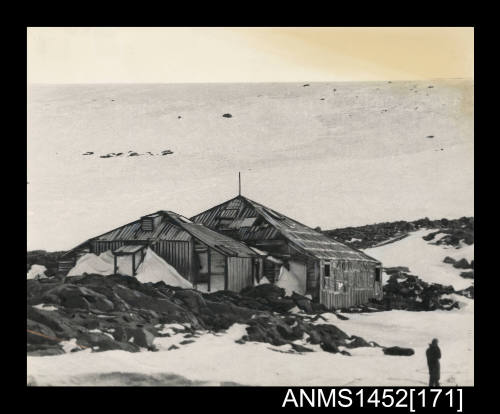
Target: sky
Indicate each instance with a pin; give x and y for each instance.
(166, 55)
(358, 145)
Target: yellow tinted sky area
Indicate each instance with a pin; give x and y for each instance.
(178, 55)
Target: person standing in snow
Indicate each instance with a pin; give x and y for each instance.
(433, 354)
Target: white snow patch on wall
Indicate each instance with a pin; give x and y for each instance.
(290, 280)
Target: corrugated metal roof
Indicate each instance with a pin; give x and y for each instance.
(278, 226)
(163, 231)
(218, 241)
(174, 227)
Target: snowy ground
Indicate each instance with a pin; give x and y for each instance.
(425, 259)
(217, 359)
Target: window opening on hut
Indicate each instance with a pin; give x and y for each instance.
(224, 223)
(327, 270)
(378, 274)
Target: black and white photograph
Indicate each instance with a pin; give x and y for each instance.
(250, 206)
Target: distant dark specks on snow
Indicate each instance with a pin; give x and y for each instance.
(322, 99)
(305, 84)
(384, 110)
(133, 154)
(335, 90)
(430, 136)
(88, 153)
(389, 82)
(179, 117)
(105, 156)
(430, 86)
(227, 116)
(166, 152)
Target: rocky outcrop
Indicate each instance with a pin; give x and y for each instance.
(409, 292)
(118, 312)
(453, 232)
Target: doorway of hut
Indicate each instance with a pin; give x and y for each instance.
(210, 274)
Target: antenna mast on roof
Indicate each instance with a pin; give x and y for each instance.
(239, 183)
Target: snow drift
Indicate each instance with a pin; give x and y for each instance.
(36, 272)
(152, 269)
(92, 264)
(155, 269)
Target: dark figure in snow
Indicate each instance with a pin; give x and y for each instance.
(433, 355)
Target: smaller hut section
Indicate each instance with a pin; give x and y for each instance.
(209, 260)
(345, 283)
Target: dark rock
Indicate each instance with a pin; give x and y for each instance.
(192, 300)
(462, 264)
(329, 346)
(227, 115)
(142, 337)
(396, 350)
(171, 347)
(357, 342)
(467, 275)
(266, 291)
(38, 333)
(72, 296)
(58, 324)
(302, 302)
(300, 348)
(449, 260)
(104, 342)
(395, 270)
(186, 341)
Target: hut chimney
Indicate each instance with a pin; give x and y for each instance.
(239, 183)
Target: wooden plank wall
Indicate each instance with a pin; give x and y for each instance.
(177, 254)
(352, 297)
(239, 273)
(313, 277)
(349, 284)
(217, 270)
(100, 246)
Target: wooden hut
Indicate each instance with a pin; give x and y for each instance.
(335, 274)
(209, 260)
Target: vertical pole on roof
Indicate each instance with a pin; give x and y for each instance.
(209, 264)
(133, 264)
(239, 183)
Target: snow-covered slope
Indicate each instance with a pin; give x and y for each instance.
(425, 259)
(365, 143)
